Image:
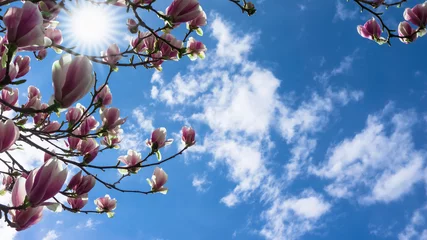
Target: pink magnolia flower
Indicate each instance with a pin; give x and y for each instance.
(198, 22)
(24, 25)
(10, 96)
(72, 79)
(167, 51)
(23, 219)
(112, 55)
(23, 64)
(47, 156)
(195, 48)
(88, 149)
(50, 9)
(33, 92)
(41, 54)
(106, 204)
(78, 202)
(111, 118)
(111, 141)
(88, 125)
(52, 127)
(132, 26)
(371, 30)
(417, 15)
(54, 34)
(45, 182)
(181, 11)
(7, 181)
(9, 133)
(104, 97)
(405, 30)
(13, 71)
(157, 181)
(73, 115)
(39, 118)
(188, 136)
(81, 184)
(145, 42)
(158, 139)
(131, 159)
(157, 60)
(73, 142)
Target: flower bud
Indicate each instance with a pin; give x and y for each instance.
(157, 181)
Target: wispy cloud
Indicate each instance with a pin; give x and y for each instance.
(89, 224)
(51, 235)
(343, 13)
(416, 228)
(201, 182)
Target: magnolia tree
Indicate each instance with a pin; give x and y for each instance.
(407, 33)
(74, 134)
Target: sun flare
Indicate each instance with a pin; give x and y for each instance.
(90, 24)
(92, 28)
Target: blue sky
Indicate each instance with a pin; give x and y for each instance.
(304, 131)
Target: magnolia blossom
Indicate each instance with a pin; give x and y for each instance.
(158, 139)
(111, 118)
(13, 71)
(106, 204)
(9, 133)
(88, 125)
(132, 26)
(23, 64)
(23, 219)
(111, 141)
(24, 25)
(74, 114)
(78, 202)
(405, 30)
(133, 158)
(371, 30)
(10, 96)
(157, 181)
(50, 8)
(39, 118)
(104, 96)
(81, 184)
(72, 79)
(188, 136)
(45, 182)
(417, 15)
(73, 142)
(52, 127)
(181, 11)
(41, 54)
(55, 35)
(198, 22)
(145, 42)
(6, 182)
(47, 156)
(377, 3)
(195, 48)
(112, 55)
(88, 148)
(167, 51)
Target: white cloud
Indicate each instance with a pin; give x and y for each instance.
(416, 227)
(59, 222)
(377, 165)
(344, 66)
(89, 224)
(342, 13)
(290, 218)
(51, 235)
(143, 121)
(201, 183)
(238, 101)
(230, 48)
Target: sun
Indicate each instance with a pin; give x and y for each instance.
(91, 28)
(90, 24)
